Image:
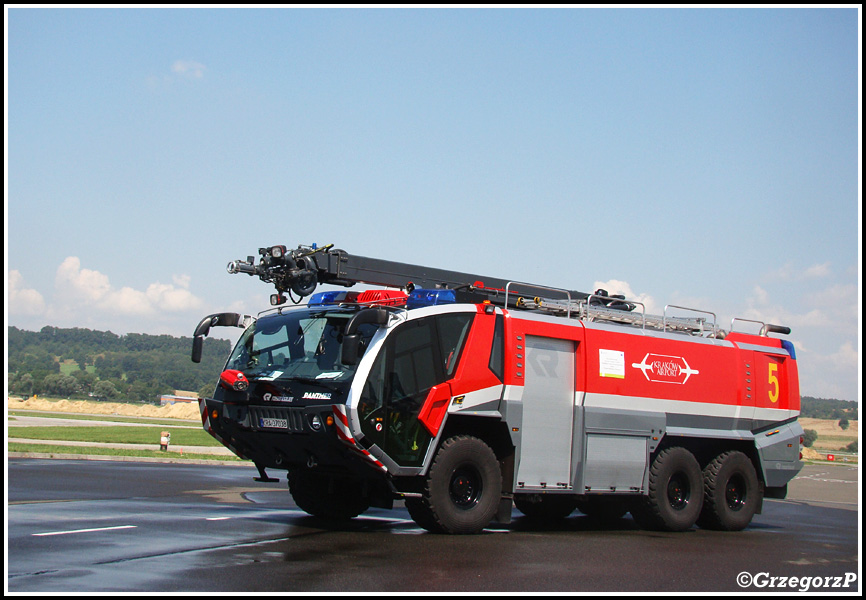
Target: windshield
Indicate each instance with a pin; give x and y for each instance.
(299, 344)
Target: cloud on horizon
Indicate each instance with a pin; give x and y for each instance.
(84, 295)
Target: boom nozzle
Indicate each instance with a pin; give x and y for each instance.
(293, 271)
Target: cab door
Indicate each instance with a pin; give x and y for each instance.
(416, 356)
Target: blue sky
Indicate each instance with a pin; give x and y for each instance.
(705, 157)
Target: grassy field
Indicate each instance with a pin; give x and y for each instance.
(115, 435)
(146, 431)
(107, 451)
(109, 418)
(831, 437)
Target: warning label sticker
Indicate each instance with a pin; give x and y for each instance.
(611, 363)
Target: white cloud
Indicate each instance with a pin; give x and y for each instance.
(761, 296)
(181, 281)
(835, 307)
(167, 297)
(89, 289)
(188, 68)
(21, 299)
(817, 271)
(615, 286)
(790, 272)
(75, 283)
(833, 375)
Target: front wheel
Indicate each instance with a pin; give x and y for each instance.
(325, 496)
(462, 490)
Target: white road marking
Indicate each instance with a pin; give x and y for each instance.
(85, 530)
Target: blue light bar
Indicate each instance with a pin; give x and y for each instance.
(420, 298)
(336, 297)
(787, 345)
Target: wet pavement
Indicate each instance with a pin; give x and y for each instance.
(87, 526)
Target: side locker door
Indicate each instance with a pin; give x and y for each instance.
(548, 413)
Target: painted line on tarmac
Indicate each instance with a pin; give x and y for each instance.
(84, 530)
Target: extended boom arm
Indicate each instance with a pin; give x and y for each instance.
(299, 271)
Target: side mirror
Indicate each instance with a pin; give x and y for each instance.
(349, 352)
(217, 320)
(197, 344)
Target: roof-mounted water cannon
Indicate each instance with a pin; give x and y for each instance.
(290, 271)
(298, 272)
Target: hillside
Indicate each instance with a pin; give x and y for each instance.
(81, 363)
(828, 408)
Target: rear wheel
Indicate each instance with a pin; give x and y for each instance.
(732, 492)
(462, 489)
(325, 496)
(675, 493)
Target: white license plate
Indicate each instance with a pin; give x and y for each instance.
(274, 423)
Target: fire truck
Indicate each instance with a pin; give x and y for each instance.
(464, 395)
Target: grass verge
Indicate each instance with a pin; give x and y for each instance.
(101, 417)
(114, 435)
(102, 451)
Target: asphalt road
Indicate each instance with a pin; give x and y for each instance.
(88, 526)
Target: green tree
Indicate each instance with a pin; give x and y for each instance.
(60, 385)
(104, 389)
(809, 437)
(207, 390)
(24, 385)
(843, 423)
(86, 380)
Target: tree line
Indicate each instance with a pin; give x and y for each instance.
(82, 363)
(827, 408)
(141, 367)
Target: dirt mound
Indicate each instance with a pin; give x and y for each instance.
(812, 454)
(178, 410)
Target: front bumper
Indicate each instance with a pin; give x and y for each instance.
(279, 437)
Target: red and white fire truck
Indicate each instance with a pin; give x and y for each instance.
(464, 395)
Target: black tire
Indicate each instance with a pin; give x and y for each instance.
(423, 517)
(603, 509)
(326, 496)
(462, 490)
(546, 508)
(675, 493)
(732, 492)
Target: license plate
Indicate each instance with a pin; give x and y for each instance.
(274, 423)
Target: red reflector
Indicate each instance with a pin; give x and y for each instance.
(234, 380)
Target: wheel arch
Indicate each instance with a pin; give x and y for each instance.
(493, 432)
(705, 449)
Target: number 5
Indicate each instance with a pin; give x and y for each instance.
(774, 381)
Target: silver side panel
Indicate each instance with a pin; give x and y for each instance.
(548, 414)
(618, 446)
(614, 463)
(779, 450)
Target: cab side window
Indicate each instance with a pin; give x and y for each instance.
(418, 355)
